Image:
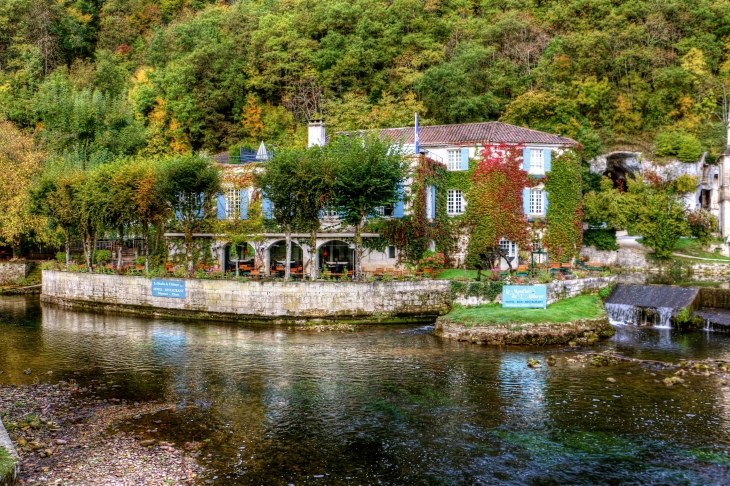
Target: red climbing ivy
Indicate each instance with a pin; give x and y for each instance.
(495, 208)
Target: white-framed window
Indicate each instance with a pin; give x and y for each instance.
(380, 211)
(330, 213)
(537, 161)
(537, 202)
(390, 252)
(454, 202)
(453, 159)
(233, 203)
(509, 248)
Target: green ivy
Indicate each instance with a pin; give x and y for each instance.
(564, 215)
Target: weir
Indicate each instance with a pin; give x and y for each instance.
(648, 305)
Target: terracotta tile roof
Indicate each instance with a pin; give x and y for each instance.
(472, 133)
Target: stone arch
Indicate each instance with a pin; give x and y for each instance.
(335, 251)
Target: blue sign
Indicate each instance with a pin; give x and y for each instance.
(174, 289)
(524, 296)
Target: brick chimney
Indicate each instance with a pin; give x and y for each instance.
(316, 134)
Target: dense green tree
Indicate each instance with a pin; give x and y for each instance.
(370, 173)
(189, 185)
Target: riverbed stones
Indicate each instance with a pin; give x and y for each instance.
(526, 334)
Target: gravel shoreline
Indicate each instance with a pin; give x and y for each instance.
(63, 435)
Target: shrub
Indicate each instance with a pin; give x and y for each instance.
(701, 225)
(690, 148)
(48, 266)
(179, 273)
(61, 257)
(544, 276)
(606, 291)
(139, 260)
(685, 183)
(684, 146)
(600, 238)
(102, 256)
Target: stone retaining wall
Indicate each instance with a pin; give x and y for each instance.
(624, 257)
(581, 331)
(12, 271)
(557, 290)
(279, 302)
(11, 476)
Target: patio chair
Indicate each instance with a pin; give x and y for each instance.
(378, 273)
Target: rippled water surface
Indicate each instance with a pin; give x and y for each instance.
(392, 405)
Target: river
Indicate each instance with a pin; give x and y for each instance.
(391, 404)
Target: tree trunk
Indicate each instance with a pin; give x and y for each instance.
(287, 266)
(189, 251)
(120, 245)
(147, 248)
(313, 270)
(87, 250)
(67, 238)
(93, 246)
(359, 250)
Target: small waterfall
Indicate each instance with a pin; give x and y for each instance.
(664, 316)
(622, 314)
(626, 314)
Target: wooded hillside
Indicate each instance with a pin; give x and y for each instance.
(95, 80)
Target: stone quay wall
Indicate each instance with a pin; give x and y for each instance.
(277, 302)
(12, 271)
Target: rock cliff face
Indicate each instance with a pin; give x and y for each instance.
(581, 331)
(621, 166)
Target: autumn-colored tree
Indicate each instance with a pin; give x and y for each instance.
(495, 208)
(252, 119)
(20, 162)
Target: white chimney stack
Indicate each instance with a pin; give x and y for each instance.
(316, 134)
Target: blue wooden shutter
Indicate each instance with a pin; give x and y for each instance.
(526, 159)
(399, 208)
(526, 200)
(433, 202)
(244, 203)
(221, 206)
(545, 200)
(266, 207)
(465, 159)
(201, 210)
(548, 159)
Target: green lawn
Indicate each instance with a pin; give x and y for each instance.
(568, 310)
(456, 273)
(689, 246)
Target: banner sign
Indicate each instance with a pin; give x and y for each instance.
(174, 289)
(524, 296)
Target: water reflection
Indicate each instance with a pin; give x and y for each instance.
(390, 405)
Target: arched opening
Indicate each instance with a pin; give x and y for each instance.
(621, 166)
(336, 256)
(236, 255)
(277, 256)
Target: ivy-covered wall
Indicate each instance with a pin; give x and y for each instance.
(564, 232)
